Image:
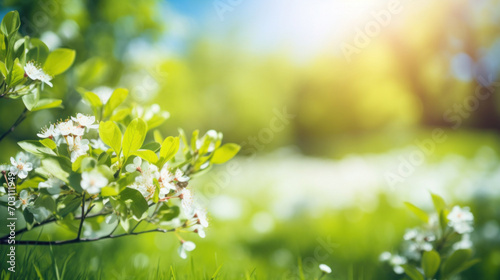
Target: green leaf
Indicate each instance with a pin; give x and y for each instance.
(16, 74)
(194, 139)
(152, 146)
(121, 114)
(49, 143)
(93, 100)
(43, 208)
(3, 69)
(68, 204)
(418, 212)
(455, 263)
(147, 155)
(10, 23)
(225, 153)
(111, 135)
(158, 137)
(439, 203)
(169, 148)
(430, 263)
(38, 52)
(36, 148)
(136, 202)
(48, 103)
(134, 137)
(117, 98)
(412, 272)
(59, 61)
(167, 213)
(57, 167)
(30, 100)
(108, 191)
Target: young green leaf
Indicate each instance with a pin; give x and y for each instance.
(30, 100)
(418, 212)
(117, 98)
(430, 263)
(169, 148)
(147, 155)
(225, 153)
(49, 143)
(438, 201)
(10, 23)
(111, 135)
(412, 272)
(16, 74)
(454, 263)
(136, 202)
(59, 61)
(92, 99)
(47, 103)
(134, 137)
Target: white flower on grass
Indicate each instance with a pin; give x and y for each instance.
(20, 166)
(25, 200)
(325, 268)
(49, 132)
(51, 183)
(65, 128)
(98, 144)
(460, 219)
(77, 147)
(93, 182)
(465, 243)
(135, 166)
(186, 246)
(186, 200)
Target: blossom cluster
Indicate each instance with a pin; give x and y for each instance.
(98, 167)
(455, 236)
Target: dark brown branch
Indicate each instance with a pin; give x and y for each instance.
(81, 240)
(19, 120)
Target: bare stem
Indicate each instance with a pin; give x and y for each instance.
(19, 120)
(81, 240)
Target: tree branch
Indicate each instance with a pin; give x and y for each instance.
(81, 240)
(19, 120)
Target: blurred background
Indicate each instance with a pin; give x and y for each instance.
(344, 110)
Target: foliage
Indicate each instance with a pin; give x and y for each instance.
(441, 248)
(99, 169)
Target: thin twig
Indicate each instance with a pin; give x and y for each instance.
(81, 240)
(19, 120)
(82, 219)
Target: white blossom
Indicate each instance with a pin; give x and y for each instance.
(51, 183)
(93, 182)
(49, 132)
(186, 200)
(460, 219)
(135, 165)
(77, 147)
(186, 246)
(24, 200)
(20, 166)
(325, 268)
(465, 243)
(98, 144)
(36, 73)
(65, 128)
